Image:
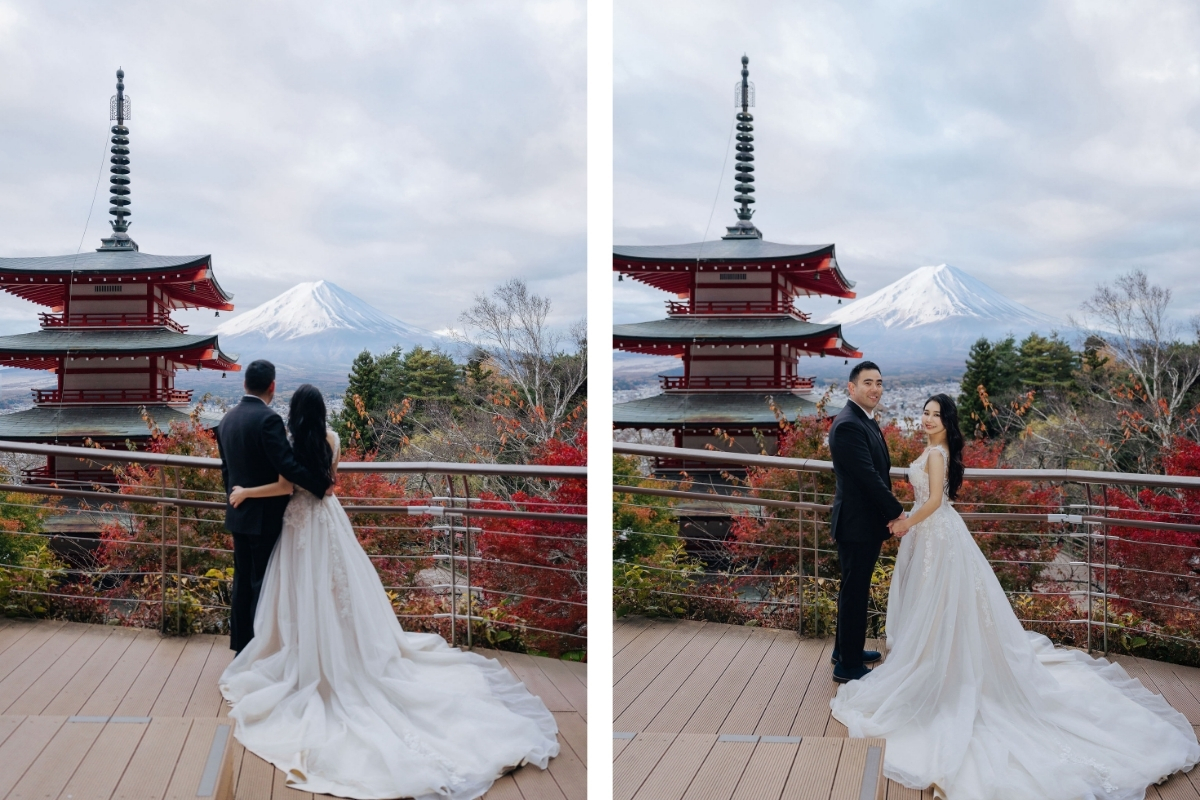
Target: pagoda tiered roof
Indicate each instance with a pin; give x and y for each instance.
(188, 281)
(670, 336)
(729, 410)
(99, 423)
(42, 349)
(811, 268)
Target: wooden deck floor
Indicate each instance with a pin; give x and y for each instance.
(53, 671)
(703, 710)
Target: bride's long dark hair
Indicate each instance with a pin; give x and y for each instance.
(306, 423)
(954, 441)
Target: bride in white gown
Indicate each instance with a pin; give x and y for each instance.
(333, 692)
(974, 705)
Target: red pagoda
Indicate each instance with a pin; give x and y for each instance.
(734, 325)
(108, 334)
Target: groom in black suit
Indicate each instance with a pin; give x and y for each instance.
(863, 508)
(255, 451)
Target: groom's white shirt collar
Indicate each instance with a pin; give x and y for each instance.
(868, 413)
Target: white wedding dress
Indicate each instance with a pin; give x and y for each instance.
(981, 709)
(335, 693)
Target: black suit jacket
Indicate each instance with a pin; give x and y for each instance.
(255, 451)
(863, 504)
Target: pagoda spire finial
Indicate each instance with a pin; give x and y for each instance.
(119, 110)
(744, 98)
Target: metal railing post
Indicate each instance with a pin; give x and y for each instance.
(800, 559)
(1088, 584)
(453, 565)
(1104, 530)
(812, 479)
(178, 559)
(468, 553)
(162, 587)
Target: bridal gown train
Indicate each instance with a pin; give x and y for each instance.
(980, 708)
(335, 693)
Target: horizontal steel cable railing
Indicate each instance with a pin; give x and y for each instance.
(1089, 550)
(503, 563)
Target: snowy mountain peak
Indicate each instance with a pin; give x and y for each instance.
(930, 295)
(318, 307)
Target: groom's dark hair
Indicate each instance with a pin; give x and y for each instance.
(861, 367)
(259, 375)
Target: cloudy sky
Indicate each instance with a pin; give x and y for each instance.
(1040, 146)
(413, 153)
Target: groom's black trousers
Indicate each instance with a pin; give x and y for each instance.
(251, 552)
(857, 560)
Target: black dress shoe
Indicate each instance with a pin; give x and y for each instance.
(845, 675)
(869, 657)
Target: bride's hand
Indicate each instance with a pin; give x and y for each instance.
(899, 526)
(237, 496)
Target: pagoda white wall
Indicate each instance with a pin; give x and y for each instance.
(733, 360)
(734, 286)
(108, 298)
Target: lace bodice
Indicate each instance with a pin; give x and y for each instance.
(919, 478)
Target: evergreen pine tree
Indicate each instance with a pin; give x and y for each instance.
(981, 371)
(353, 424)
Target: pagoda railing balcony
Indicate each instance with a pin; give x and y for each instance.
(158, 319)
(114, 396)
(699, 383)
(734, 307)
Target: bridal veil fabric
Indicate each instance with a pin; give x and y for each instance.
(980, 708)
(335, 693)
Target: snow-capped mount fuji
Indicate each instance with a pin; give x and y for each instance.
(925, 323)
(318, 324)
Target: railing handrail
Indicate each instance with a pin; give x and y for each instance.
(815, 465)
(198, 462)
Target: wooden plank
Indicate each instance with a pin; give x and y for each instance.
(626, 629)
(572, 729)
(655, 681)
(780, 714)
(536, 681)
(1175, 693)
(145, 775)
(142, 695)
(579, 669)
(81, 686)
(203, 738)
(573, 689)
(654, 649)
(1178, 787)
(538, 784)
(748, 709)
(256, 778)
(618, 746)
(173, 699)
(721, 771)
(53, 767)
(898, 791)
(206, 699)
(503, 789)
(101, 769)
(36, 662)
(814, 770)
(8, 724)
(58, 674)
(683, 703)
(569, 770)
(16, 644)
(677, 767)
(239, 754)
(847, 783)
(813, 716)
(710, 716)
(636, 761)
(24, 746)
(15, 632)
(104, 700)
(767, 773)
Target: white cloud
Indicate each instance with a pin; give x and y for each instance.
(413, 153)
(1040, 146)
